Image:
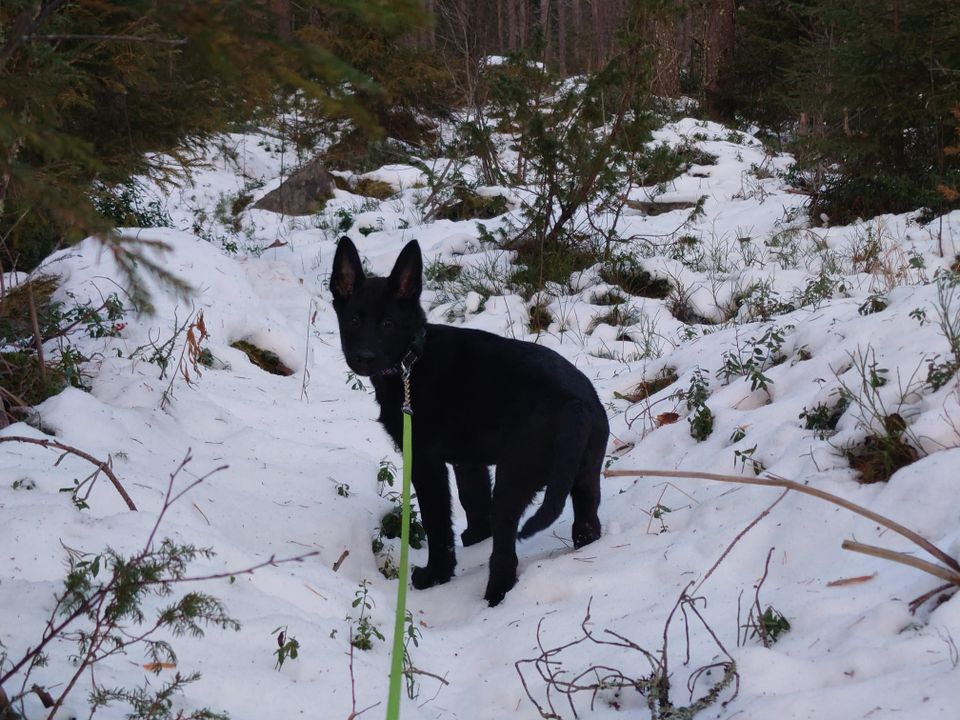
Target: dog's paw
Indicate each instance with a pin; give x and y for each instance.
(424, 577)
(497, 589)
(585, 533)
(474, 534)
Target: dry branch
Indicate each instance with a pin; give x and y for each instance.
(771, 481)
(904, 559)
(101, 465)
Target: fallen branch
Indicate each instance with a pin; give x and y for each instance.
(904, 559)
(176, 42)
(953, 573)
(101, 465)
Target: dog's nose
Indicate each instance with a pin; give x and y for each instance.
(365, 355)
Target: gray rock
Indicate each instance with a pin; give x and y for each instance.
(303, 193)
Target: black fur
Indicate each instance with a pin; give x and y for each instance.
(478, 400)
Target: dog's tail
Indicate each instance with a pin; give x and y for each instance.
(573, 431)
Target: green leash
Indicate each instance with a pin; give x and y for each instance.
(396, 656)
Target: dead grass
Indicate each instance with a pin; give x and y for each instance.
(878, 457)
(378, 189)
(646, 388)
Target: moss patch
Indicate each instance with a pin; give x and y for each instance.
(554, 264)
(378, 189)
(439, 272)
(659, 208)
(468, 205)
(263, 359)
(540, 318)
(608, 297)
(618, 316)
(627, 274)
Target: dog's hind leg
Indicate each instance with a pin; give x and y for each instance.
(563, 458)
(473, 487)
(512, 493)
(433, 496)
(585, 492)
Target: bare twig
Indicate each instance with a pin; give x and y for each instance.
(354, 713)
(37, 340)
(739, 537)
(417, 671)
(305, 383)
(101, 465)
(272, 561)
(16, 403)
(597, 678)
(948, 589)
(757, 609)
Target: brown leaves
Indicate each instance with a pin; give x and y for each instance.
(196, 334)
(158, 666)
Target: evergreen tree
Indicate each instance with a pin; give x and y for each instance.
(878, 80)
(768, 34)
(91, 90)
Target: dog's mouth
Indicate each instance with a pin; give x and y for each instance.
(365, 367)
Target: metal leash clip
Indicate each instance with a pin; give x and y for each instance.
(406, 365)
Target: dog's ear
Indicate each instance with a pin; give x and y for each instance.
(405, 280)
(347, 274)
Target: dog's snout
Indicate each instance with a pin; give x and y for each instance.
(365, 355)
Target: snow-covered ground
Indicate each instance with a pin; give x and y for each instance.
(303, 454)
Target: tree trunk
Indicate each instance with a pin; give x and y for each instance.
(282, 19)
(513, 20)
(545, 29)
(718, 29)
(562, 37)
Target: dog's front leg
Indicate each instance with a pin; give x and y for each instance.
(473, 487)
(433, 496)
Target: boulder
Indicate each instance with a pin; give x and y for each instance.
(303, 193)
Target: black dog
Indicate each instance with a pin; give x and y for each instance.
(478, 400)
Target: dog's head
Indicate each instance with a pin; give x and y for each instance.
(379, 317)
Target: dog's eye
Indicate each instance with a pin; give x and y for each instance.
(387, 324)
(355, 321)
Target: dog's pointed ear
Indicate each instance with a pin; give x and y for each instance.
(405, 279)
(347, 274)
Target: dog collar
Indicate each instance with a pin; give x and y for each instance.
(413, 353)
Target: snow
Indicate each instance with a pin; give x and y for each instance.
(853, 650)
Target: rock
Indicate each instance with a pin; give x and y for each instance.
(303, 193)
